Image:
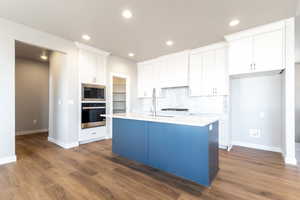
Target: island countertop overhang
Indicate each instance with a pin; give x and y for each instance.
(200, 121)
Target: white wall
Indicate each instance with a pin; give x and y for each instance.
(59, 113)
(123, 67)
(257, 104)
(32, 95)
(297, 102)
(289, 123)
(7, 98)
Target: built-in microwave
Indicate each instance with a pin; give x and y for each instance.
(93, 92)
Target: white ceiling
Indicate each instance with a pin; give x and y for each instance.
(190, 23)
(31, 52)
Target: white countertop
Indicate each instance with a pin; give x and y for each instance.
(182, 120)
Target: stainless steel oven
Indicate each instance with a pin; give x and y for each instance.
(91, 115)
(92, 92)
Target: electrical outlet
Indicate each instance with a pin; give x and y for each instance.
(34, 121)
(255, 133)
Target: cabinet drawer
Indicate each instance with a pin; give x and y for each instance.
(93, 133)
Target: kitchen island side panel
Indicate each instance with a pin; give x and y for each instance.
(130, 139)
(213, 151)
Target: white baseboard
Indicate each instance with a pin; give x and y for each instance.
(290, 161)
(257, 146)
(63, 144)
(31, 132)
(7, 160)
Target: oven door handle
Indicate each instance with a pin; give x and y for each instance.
(91, 108)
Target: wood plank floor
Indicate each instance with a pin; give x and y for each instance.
(45, 171)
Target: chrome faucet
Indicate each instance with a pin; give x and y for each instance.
(154, 102)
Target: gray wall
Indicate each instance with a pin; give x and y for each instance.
(32, 95)
(251, 97)
(297, 102)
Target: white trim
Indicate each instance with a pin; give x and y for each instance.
(7, 160)
(257, 30)
(290, 161)
(113, 74)
(92, 49)
(63, 144)
(257, 146)
(211, 47)
(31, 132)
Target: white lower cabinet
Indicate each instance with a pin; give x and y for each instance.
(92, 134)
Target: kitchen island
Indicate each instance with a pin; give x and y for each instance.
(186, 146)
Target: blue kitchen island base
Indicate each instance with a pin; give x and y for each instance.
(190, 152)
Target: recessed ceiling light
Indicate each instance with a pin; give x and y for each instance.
(127, 14)
(44, 57)
(86, 37)
(234, 22)
(131, 55)
(169, 43)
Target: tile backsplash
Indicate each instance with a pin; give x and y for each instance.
(179, 98)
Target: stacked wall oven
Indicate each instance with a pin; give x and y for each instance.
(93, 107)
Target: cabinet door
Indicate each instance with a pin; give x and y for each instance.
(87, 66)
(157, 76)
(130, 139)
(240, 56)
(101, 69)
(145, 74)
(92, 67)
(208, 73)
(177, 68)
(220, 78)
(195, 74)
(141, 80)
(268, 51)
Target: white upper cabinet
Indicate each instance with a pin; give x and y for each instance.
(149, 77)
(92, 64)
(221, 77)
(176, 69)
(257, 50)
(145, 77)
(195, 74)
(164, 72)
(208, 74)
(268, 51)
(240, 56)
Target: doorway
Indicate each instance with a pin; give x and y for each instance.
(31, 89)
(37, 82)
